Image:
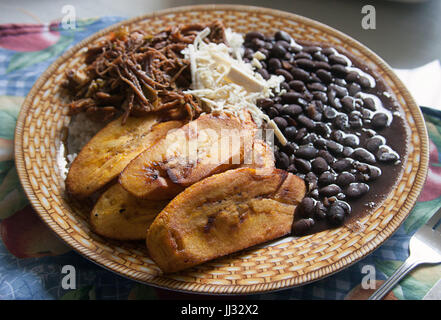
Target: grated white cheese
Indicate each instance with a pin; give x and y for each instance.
(224, 82)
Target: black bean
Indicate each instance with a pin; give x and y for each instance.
(322, 129)
(320, 57)
(352, 76)
(313, 78)
(302, 226)
(336, 214)
(379, 120)
(320, 143)
(301, 133)
(300, 74)
(321, 96)
(281, 123)
(337, 59)
(353, 89)
(303, 55)
(345, 178)
(254, 34)
(297, 85)
(306, 152)
(282, 72)
(264, 73)
(369, 103)
(284, 86)
(311, 181)
(356, 189)
(292, 168)
(306, 207)
(319, 165)
(330, 113)
(374, 172)
(339, 91)
(278, 51)
(364, 82)
(340, 82)
(310, 138)
(330, 190)
(339, 70)
(308, 96)
(348, 103)
(257, 43)
(302, 165)
(290, 148)
(346, 207)
(372, 144)
(282, 35)
(328, 51)
(313, 113)
(347, 151)
(386, 154)
(326, 178)
(288, 56)
(316, 86)
(342, 165)
(283, 43)
(335, 147)
(291, 97)
(292, 110)
(335, 103)
(320, 211)
(322, 65)
(248, 53)
(324, 75)
(341, 121)
(274, 64)
(305, 121)
(290, 132)
(337, 135)
(314, 194)
(363, 155)
(311, 49)
(355, 119)
(272, 112)
(351, 140)
(282, 161)
(327, 156)
(305, 64)
(265, 103)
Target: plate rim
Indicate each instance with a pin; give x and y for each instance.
(176, 285)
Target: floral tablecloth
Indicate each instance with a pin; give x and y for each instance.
(32, 257)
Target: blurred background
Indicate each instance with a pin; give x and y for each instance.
(407, 33)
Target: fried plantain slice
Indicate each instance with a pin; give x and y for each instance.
(208, 145)
(119, 215)
(111, 149)
(222, 214)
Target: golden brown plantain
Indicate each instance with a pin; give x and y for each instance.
(111, 149)
(119, 215)
(208, 145)
(224, 213)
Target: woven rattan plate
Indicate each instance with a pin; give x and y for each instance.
(287, 263)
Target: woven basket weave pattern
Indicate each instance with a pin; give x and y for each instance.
(43, 120)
